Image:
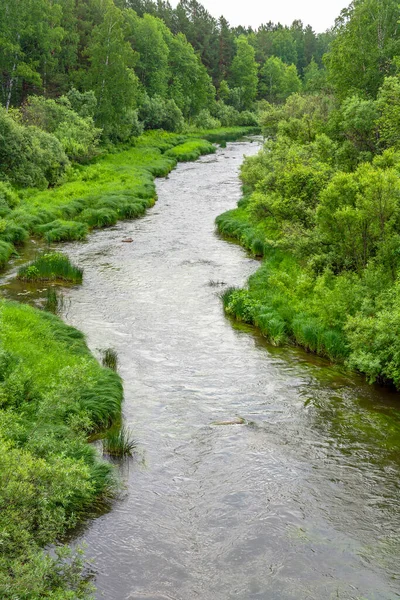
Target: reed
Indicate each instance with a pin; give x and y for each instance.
(119, 443)
(110, 359)
(52, 266)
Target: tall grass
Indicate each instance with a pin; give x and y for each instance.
(119, 442)
(54, 302)
(53, 266)
(110, 359)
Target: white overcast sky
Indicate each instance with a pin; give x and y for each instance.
(320, 15)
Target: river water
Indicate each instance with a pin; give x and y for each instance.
(301, 501)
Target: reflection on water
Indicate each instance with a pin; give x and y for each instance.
(299, 499)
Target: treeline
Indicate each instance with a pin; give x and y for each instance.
(146, 64)
(323, 205)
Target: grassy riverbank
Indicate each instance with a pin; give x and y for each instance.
(282, 299)
(117, 186)
(53, 394)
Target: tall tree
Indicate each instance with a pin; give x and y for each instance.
(367, 40)
(244, 73)
(111, 74)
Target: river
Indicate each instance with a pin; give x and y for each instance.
(301, 501)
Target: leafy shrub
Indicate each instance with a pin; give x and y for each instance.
(78, 135)
(158, 113)
(204, 120)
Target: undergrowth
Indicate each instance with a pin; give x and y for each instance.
(119, 185)
(53, 395)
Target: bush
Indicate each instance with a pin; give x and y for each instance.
(78, 135)
(158, 113)
(205, 121)
(29, 157)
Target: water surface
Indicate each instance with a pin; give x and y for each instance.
(301, 501)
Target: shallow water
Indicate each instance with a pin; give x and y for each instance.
(299, 502)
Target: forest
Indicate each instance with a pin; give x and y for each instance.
(98, 97)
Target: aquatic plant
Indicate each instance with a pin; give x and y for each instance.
(53, 266)
(110, 359)
(119, 442)
(54, 301)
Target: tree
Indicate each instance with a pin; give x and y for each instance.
(388, 105)
(367, 39)
(29, 32)
(147, 38)
(111, 75)
(278, 81)
(190, 85)
(244, 73)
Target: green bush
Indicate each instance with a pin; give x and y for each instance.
(158, 113)
(29, 157)
(78, 135)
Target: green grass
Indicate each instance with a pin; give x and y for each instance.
(52, 266)
(191, 150)
(119, 443)
(53, 395)
(119, 185)
(282, 298)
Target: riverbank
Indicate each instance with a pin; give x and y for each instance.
(117, 186)
(291, 304)
(53, 392)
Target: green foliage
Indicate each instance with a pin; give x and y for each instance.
(158, 113)
(53, 266)
(119, 442)
(244, 75)
(322, 208)
(111, 60)
(278, 80)
(77, 135)
(50, 477)
(205, 121)
(362, 52)
(28, 155)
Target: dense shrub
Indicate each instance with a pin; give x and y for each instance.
(78, 135)
(158, 113)
(29, 157)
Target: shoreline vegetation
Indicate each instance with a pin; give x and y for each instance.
(117, 186)
(54, 395)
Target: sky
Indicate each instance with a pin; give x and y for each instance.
(320, 15)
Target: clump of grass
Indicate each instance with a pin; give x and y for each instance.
(54, 301)
(62, 231)
(99, 217)
(6, 252)
(119, 443)
(110, 359)
(191, 150)
(52, 266)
